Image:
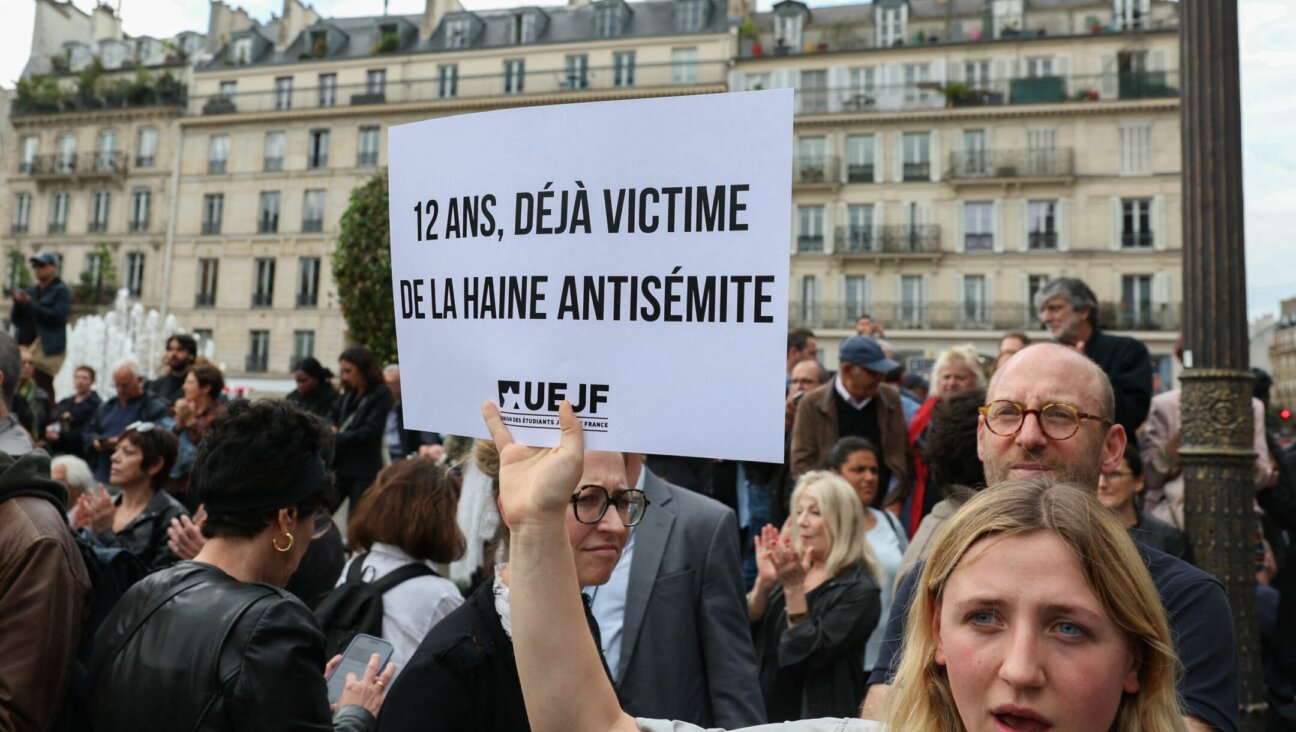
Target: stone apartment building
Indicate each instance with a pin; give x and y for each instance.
(950, 154)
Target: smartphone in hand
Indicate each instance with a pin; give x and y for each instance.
(355, 659)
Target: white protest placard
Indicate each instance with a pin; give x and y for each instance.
(630, 257)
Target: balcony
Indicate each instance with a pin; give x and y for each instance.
(810, 243)
(311, 226)
(855, 239)
(256, 363)
(217, 166)
(978, 242)
(992, 317)
(57, 227)
(307, 299)
(859, 173)
(205, 300)
(211, 228)
(1136, 240)
(137, 225)
(888, 239)
(97, 227)
(262, 299)
(534, 82)
(934, 95)
(917, 171)
(44, 95)
(1042, 240)
(366, 159)
(18, 227)
(82, 165)
(1000, 166)
(819, 170)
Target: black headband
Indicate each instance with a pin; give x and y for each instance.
(291, 490)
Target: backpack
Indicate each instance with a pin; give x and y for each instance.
(356, 606)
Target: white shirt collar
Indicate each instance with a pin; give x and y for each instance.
(841, 391)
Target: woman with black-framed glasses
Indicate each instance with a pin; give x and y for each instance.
(463, 674)
(137, 519)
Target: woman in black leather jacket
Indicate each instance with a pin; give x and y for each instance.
(216, 643)
(359, 419)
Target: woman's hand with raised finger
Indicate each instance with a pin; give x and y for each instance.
(536, 483)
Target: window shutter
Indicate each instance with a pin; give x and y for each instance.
(959, 294)
(1115, 242)
(878, 159)
(828, 230)
(960, 213)
(934, 150)
(898, 174)
(991, 302)
(1157, 59)
(1063, 224)
(837, 81)
(1062, 68)
(1159, 223)
(996, 226)
(1160, 291)
(1107, 85)
(1024, 244)
(938, 72)
(737, 81)
(878, 219)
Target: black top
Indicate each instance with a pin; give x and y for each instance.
(863, 423)
(73, 418)
(321, 404)
(167, 387)
(1161, 536)
(361, 423)
(816, 669)
(1127, 363)
(463, 677)
(146, 535)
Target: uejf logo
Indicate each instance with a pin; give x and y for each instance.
(535, 403)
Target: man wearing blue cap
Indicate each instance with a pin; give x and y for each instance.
(855, 403)
(40, 312)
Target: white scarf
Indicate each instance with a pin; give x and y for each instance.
(502, 601)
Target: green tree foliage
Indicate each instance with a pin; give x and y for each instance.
(362, 270)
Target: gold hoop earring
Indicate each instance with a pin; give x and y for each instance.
(275, 543)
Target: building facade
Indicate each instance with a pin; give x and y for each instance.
(1282, 357)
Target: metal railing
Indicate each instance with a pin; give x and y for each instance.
(888, 239)
(974, 164)
(205, 300)
(1054, 89)
(307, 299)
(810, 243)
(18, 227)
(539, 81)
(311, 226)
(971, 316)
(1136, 239)
(87, 163)
(917, 171)
(139, 224)
(1042, 240)
(816, 169)
(256, 362)
(262, 299)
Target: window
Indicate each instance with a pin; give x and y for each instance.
(30, 146)
(861, 94)
(1007, 17)
(243, 50)
(376, 82)
(99, 202)
(268, 213)
(1039, 66)
(217, 154)
(811, 160)
(976, 74)
(756, 82)
(917, 156)
(106, 151)
(274, 151)
(914, 75)
(514, 75)
(448, 81)
(263, 287)
(859, 159)
(229, 90)
(1042, 225)
(59, 212)
(813, 92)
(92, 272)
(327, 90)
(22, 213)
(367, 149)
(317, 149)
(65, 158)
(809, 300)
(689, 16)
(208, 269)
(204, 336)
(972, 309)
(283, 92)
(787, 32)
(1136, 149)
(891, 24)
(684, 68)
(303, 347)
(911, 300)
(623, 65)
(859, 228)
(1136, 223)
(577, 70)
(258, 358)
(1034, 283)
(978, 226)
(1130, 14)
(135, 273)
(313, 211)
(857, 297)
(974, 161)
(213, 209)
(308, 273)
(607, 22)
(457, 33)
(1136, 302)
(524, 28)
(146, 147)
(141, 203)
(811, 220)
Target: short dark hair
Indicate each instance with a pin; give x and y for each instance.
(158, 443)
(1019, 335)
(366, 363)
(88, 369)
(186, 342)
(10, 365)
(209, 377)
(1075, 291)
(251, 449)
(847, 446)
(411, 505)
(952, 441)
(797, 337)
(1133, 459)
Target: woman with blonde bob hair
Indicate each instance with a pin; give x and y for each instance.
(814, 603)
(1060, 626)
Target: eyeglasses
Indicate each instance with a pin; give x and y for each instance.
(590, 503)
(1058, 421)
(140, 427)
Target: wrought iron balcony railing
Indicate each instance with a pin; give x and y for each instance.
(99, 163)
(888, 239)
(1050, 163)
(971, 316)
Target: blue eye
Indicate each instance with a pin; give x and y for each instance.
(981, 617)
(1071, 630)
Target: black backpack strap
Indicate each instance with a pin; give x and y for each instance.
(398, 576)
(356, 571)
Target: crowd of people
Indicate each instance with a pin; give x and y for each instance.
(997, 544)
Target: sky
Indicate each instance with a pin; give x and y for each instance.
(1268, 96)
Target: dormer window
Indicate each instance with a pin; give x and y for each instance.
(243, 51)
(524, 28)
(457, 33)
(891, 21)
(1130, 14)
(607, 21)
(689, 15)
(1007, 17)
(788, 30)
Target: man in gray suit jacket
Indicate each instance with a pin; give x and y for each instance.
(674, 617)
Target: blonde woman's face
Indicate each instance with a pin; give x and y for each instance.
(955, 378)
(811, 527)
(1026, 643)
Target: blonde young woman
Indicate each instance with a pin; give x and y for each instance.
(1103, 616)
(814, 603)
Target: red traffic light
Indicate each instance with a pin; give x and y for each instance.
(1285, 413)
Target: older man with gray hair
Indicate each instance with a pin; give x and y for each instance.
(132, 404)
(1070, 311)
